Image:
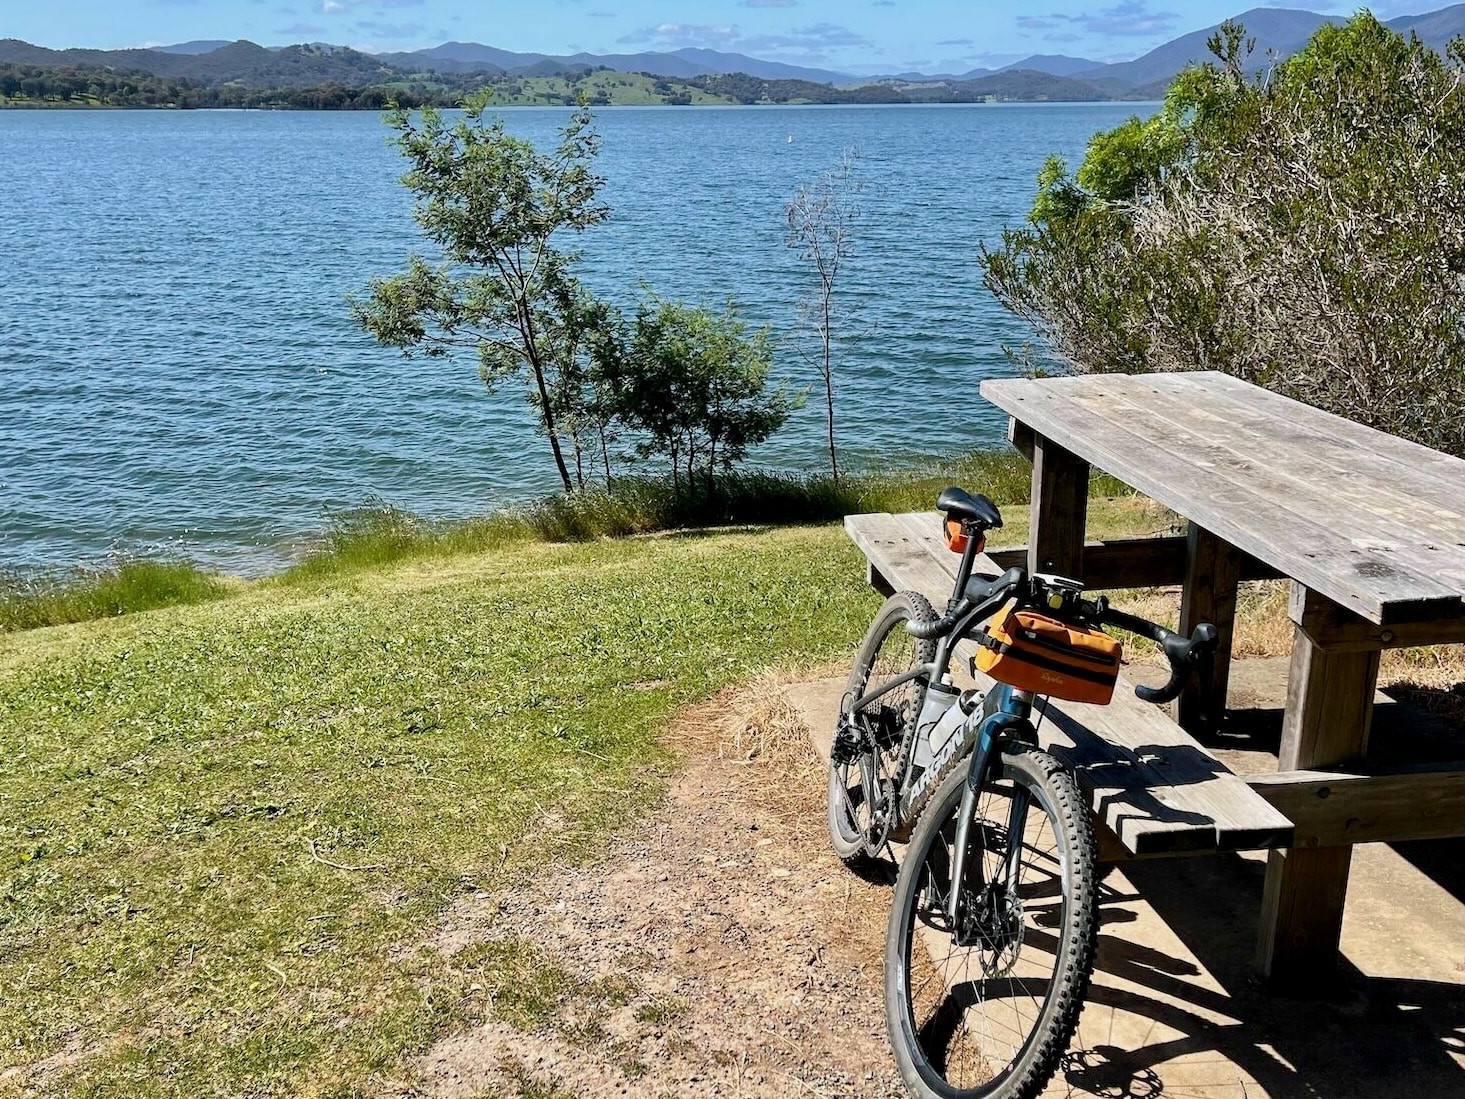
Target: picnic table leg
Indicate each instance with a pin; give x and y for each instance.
(1329, 710)
(1059, 509)
(1212, 572)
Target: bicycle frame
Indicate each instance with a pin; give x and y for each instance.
(932, 671)
(1006, 717)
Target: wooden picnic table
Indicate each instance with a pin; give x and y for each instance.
(1369, 529)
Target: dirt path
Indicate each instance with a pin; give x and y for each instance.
(720, 950)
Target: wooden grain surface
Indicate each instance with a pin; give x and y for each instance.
(1335, 809)
(1373, 522)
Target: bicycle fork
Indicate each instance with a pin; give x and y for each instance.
(1004, 719)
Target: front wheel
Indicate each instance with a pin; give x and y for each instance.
(865, 760)
(983, 1007)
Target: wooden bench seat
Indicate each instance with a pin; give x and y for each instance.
(1152, 786)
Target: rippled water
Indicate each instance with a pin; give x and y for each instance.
(178, 368)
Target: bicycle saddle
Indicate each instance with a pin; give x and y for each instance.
(957, 503)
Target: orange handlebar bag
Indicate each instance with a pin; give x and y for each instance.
(1033, 652)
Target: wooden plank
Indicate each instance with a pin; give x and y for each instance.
(1382, 509)
(1332, 809)
(1277, 468)
(1151, 784)
(1058, 511)
(1326, 723)
(1337, 629)
(893, 552)
(1258, 416)
(1204, 483)
(924, 529)
(1151, 562)
(1213, 571)
(1200, 464)
(1381, 467)
(1383, 512)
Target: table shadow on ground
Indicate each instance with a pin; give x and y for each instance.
(1362, 1036)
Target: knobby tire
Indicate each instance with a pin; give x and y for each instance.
(856, 831)
(987, 1013)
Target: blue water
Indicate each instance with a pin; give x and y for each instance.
(178, 368)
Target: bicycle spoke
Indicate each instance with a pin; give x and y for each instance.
(976, 1005)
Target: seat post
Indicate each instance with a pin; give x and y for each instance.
(964, 570)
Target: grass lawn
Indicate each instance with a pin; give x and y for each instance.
(226, 829)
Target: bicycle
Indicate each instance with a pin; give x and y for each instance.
(992, 931)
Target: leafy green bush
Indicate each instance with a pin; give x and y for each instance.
(693, 382)
(1301, 229)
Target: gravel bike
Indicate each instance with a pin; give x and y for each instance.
(992, 928)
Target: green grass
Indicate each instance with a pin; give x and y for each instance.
(378, 534)
(227, 831)
(49, 599)
(371, 536)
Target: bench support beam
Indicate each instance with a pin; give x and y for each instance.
(1335, 809)
(1059, 511)
(1329, 710)
(1338, 629)
(1154, 562)
(1212, 573)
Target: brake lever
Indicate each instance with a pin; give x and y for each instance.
(1184, 653)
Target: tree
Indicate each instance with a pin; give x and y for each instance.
(580, 397)
(1301, 228)
(695, 383)
(495, 207)
(821, 221)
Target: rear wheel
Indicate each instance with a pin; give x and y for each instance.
(983, 1007)
(865, 757)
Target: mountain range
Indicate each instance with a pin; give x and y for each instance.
(1278, 32)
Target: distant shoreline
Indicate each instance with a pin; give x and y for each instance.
(84, 87)
(565, 106)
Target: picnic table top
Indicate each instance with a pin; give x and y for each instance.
(1371, 521)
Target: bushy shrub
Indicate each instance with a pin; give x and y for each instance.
(1302, 228)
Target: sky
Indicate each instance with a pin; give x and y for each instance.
(856, 36)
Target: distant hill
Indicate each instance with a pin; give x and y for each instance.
(457, 65)
(1435, 29)
(1032, 85)
(465, 57)
(1056, 64)
(460, 57)
(241, 62)
(1273, 28)
(191, 48)
(915, 77)
(1277, 30)
(715, 62)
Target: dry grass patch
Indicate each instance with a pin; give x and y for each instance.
(717, 948)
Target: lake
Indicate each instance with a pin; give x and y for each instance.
(179, 372)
